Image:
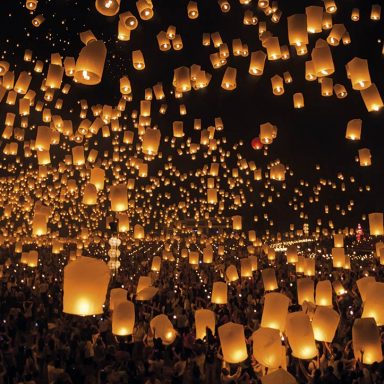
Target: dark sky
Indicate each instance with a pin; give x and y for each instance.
(313, 135)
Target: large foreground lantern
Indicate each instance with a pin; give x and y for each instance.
(85, 286)
(275, 311)
(123, 319)
(373, 305)
(162, 328)
(232, 341)
(300, 335)
(267, 347)
(325, 323)
(363, 285)
(204, 318)
(366, 341)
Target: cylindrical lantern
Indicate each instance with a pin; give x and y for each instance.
(123, 319)
(162, 328)
(275, 311)
(269, 279)
(354, 129)
(267, 347)
(324, 323)
(324, 293)
(117, 295)
(118, 197)
(204, 318)
(232, 341)
(338, 257)
(305, 290)
(219, 293)
(376, 226)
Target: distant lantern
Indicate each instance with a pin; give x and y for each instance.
(257, 63)
(267, 347)
(38, 20)
(359, 73)
(338, 257)
(300, 335)
(39, 224)
(354, 129)
(355, 15)
(219, 293)
(123, 319)
(162, 328)
(204, 318)
(338, 288)
(305, 290)
(376, 226)
(207, 255)
(90, 63)
(118, 198)
(138, 60)
(108, 7)
(192, 10)
(292, 254)
(156, 264)
(277, 172)
(298, 100)
(277, 85)
(237, 223)
(229, 79)
(273, 48)
(365, 157)
(324, 323)
(372, 98)
(275, 311)
(193, 258)
(269, 279)
(366, 341)
(232, 342)
(85, 286)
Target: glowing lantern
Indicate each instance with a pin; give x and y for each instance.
(193, 258)
(97, 178)
(298, 100)
(269, 279)
(156, 264)
(324, 293)
(257, 63)
(275, 311)
(39, 225)
(162, 328)
(375, 12)
(138, 60)
(78, 155)
(273, 48)
(338, 257)
(229, 79)
(38, 20)
(118, 198)
(245, 267)
(207, 255)
(292, 254)
(277, 172)
(138, 232)
(280, 376)
(354, 129)
(359, 73)
(372, 304)
(219, 293)
(366, 341)
(204, 318)
(117, 296)
(151, 141)
(85, 286)
(314, 19)
(322, 59)
(123, 319)
(372, 98)
(297, 30)
(324, 323)
(256, 143)
(232, 341)
(365, 157)
(192, 10)
(145, 9)
(300, 335)
(90, 63)
(363, 285)
(305, 290)
(267, 347)
(338, 287)
(237, 223)
(231, 273)
(90, 194)
(108, 7)
(277, 85)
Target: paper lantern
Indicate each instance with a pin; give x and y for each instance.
(39, 224)
(232, 341)
(54, 76)
(253, 261)
(90, 194)
(314, 19)
(117, 295)
(275, 311)
(32, 259)
(78, 155)
(338, 257)
(373, 303)
(366, 339)
(245, 267)
(273, 48)
(277, 85)
(359, 73)
(363, 285)
(267, 347)
(231, 273)
(325, 323)
(354, 129)
(326, 86)
(297, 30)
(322, 59)
(279, 376)
(193, 258)
(269, 279)
(305, 290)
(292, 254)
(324, 293)
(97, 178)
(162, 328)
(38, 20)
(151, 141)
(90, 63)
(156, 264)
(207, 255)
(300, 335)
(219, 293)
(85, 286)
(375, 12)
(277, 172)
(108, 7)
(204, 318)
(192, 10)
(138, 232)
(229, 79)
(309, 267)
(237, 223)
(365, 157)
(257, 63)
(118, 198)
(376, 226)
(298, 100)
(146, 294)
(372, 98)
(138, 60)
(145, 9)
(123, 319)
(338, 287)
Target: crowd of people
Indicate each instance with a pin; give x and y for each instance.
(41, 344)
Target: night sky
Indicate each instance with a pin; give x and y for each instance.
(306, 137)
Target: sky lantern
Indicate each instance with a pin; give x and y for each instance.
(267, 347)
(269, 279)
(90, 63)
(354, 129)
(372, 303)
(118, 198)
(232, 341)
(300, 335)
(359, 73)
(322, 59)
(338, 257)
(204, 318)
(108, 7)
(376, 224)
(363, 285)
(229, 79)
(365, 157)
(305, 290)
(366, 339)
(297, 30)
(314, 19)
(123, 318)
(257, 63)
(275, 311)
(324, 293)
(117, 295)
(372, 98)
(162, 328)
(219, 293)
(324, 323)
(145, 9)
(85, 286)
